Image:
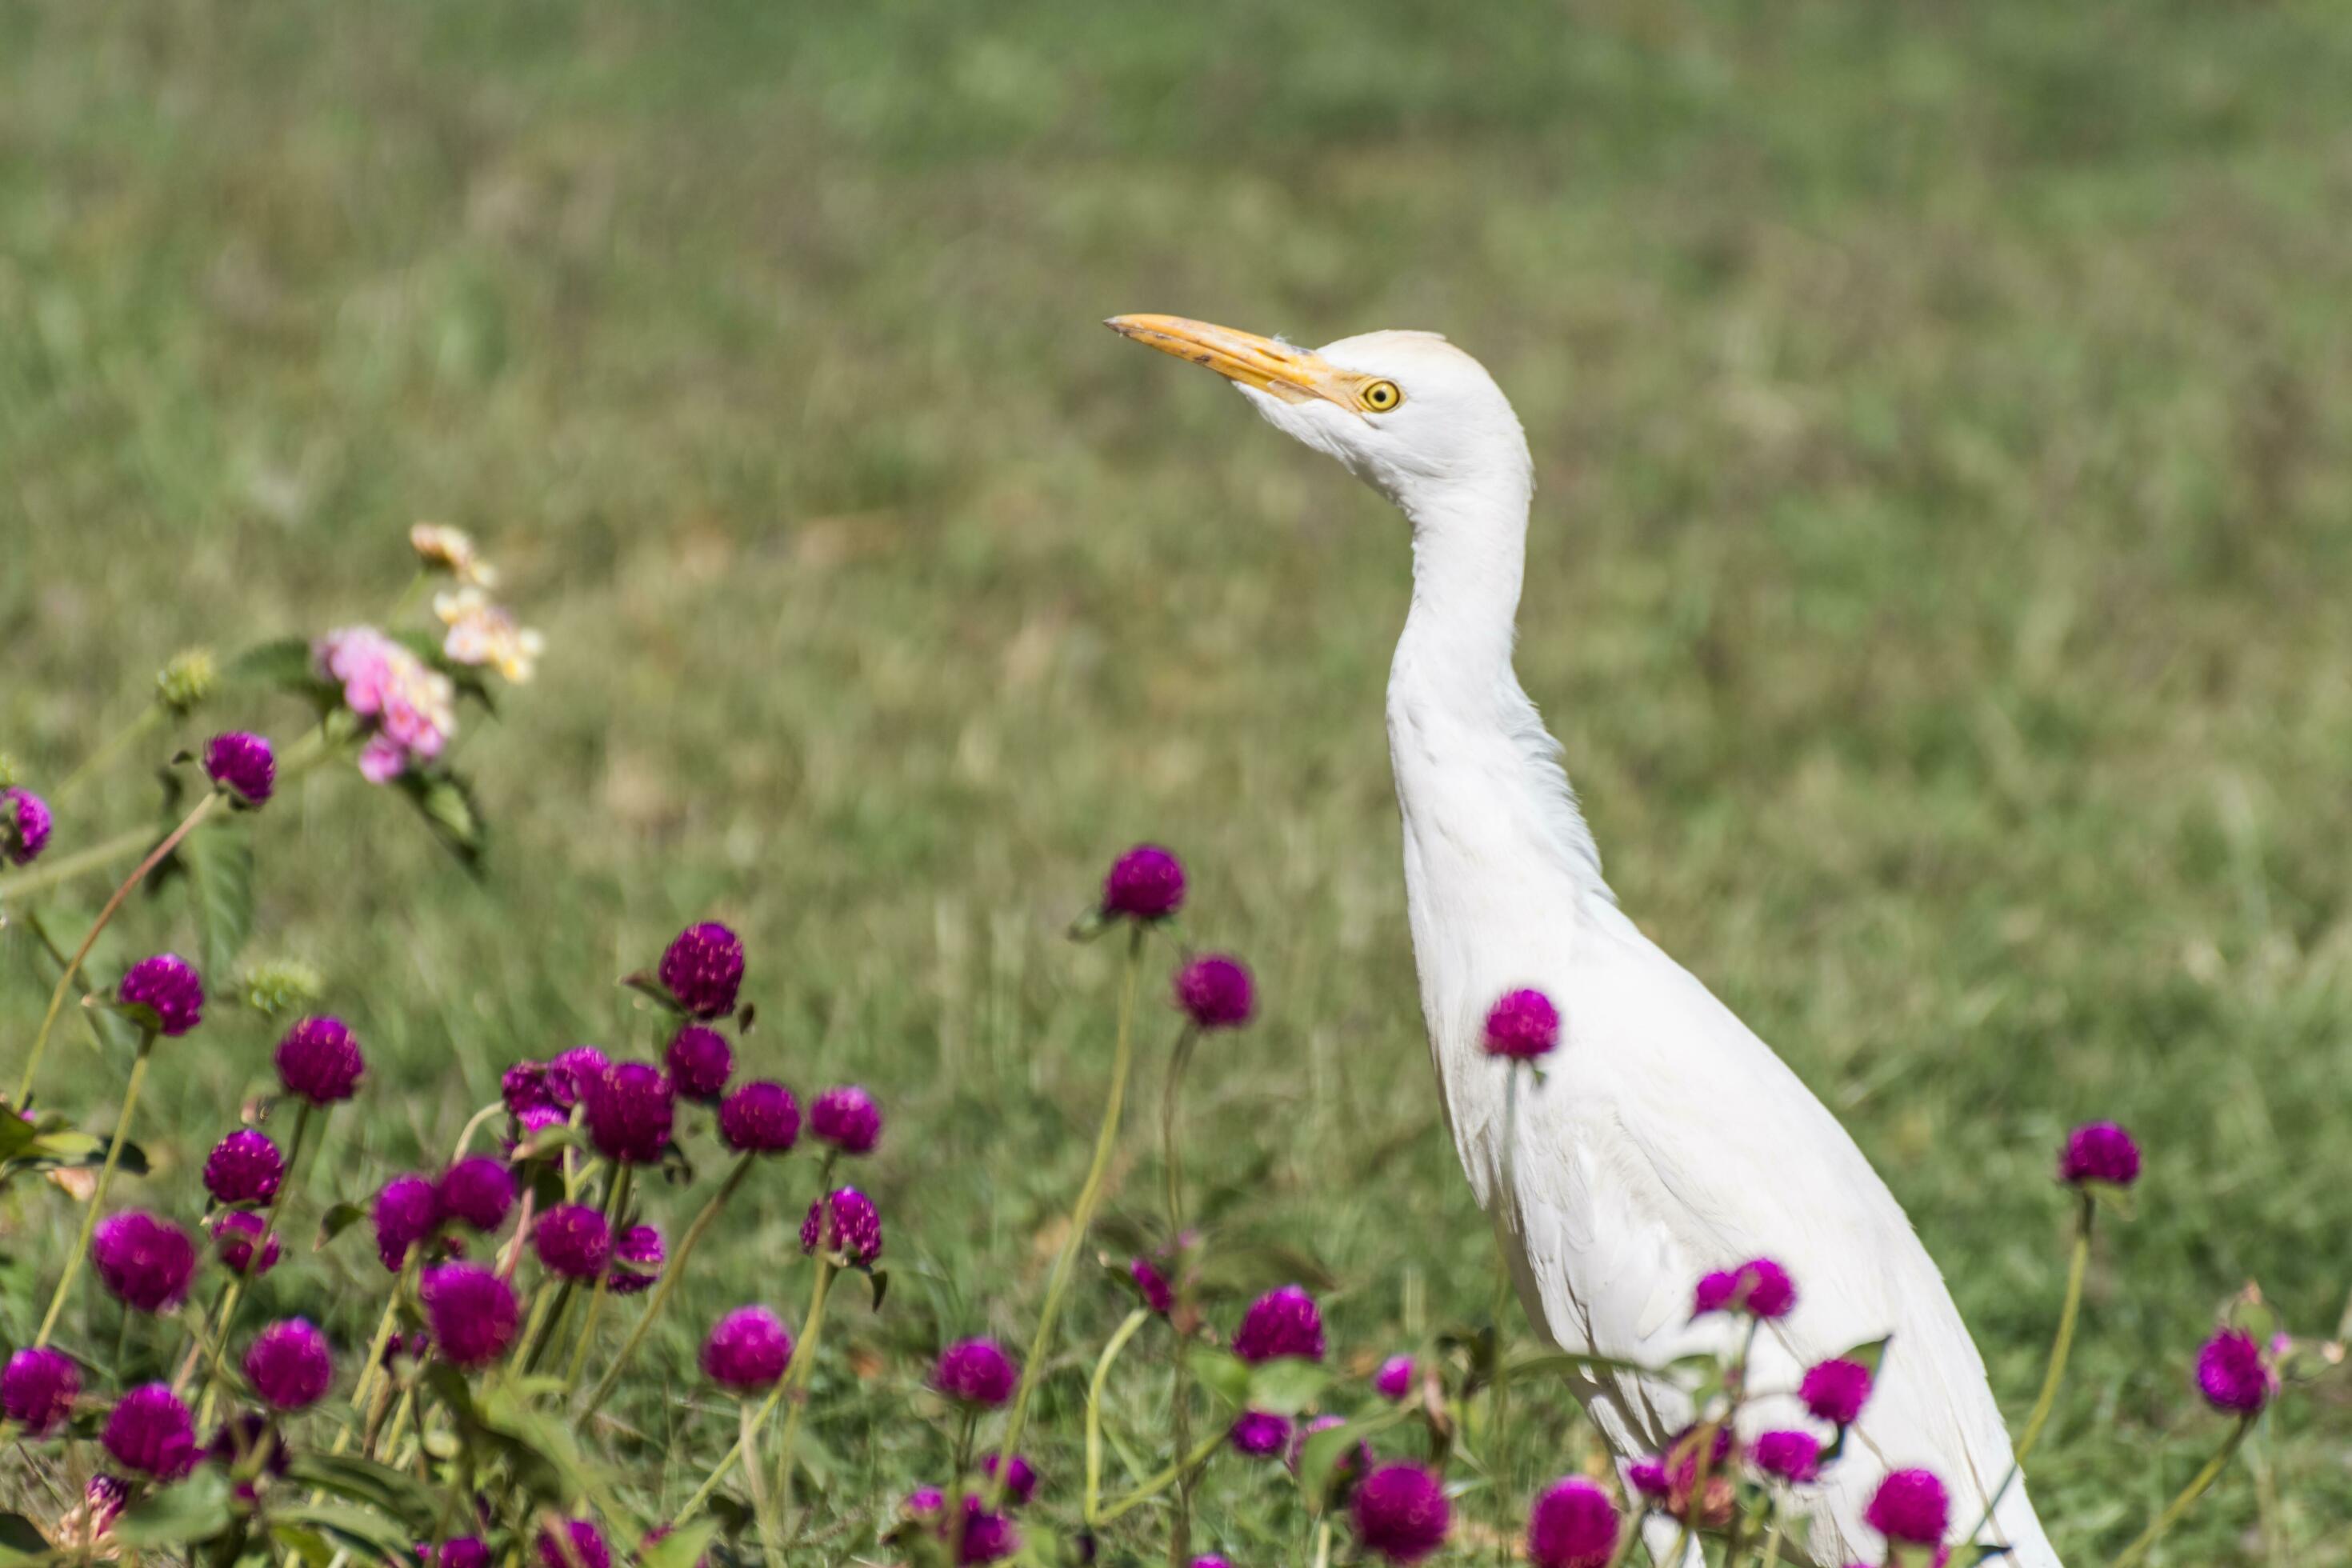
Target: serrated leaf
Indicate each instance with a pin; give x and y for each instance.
(446, 804)
(1227, 1376)
(219, 865)
(393, 1492)
(190, 1510)
(337, 1220)
(1286, 1386)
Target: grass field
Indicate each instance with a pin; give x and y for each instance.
(1944, 424)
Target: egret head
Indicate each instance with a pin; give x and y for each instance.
(1407, 413)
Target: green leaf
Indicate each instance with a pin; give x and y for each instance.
(220, 891)
(303, 1541)
(337, 1220)
(193, 1509)
(1870, 1352)
(446, 804)
(879, 1281)
(282, 662)
(390, 1491)
(20, 1537)
(1287, 1386)
(361, 1531)
(17, 1135)
(681, 1548)
(1320, 1457)
(648, 984)
(1227, 1376)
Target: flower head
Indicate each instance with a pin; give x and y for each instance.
(243, 765)
(1279, 1324)
(274, 987)
(407, 1209)
(479, 1191)
(39, 1388)
(319, 1060)
(1523, 1025)
(187, 681)
(1258, 1435)
(150, 1431)
(244, 1168)
(582, 1545)
(1648, 1477)
(464, 1551)
(2099, 1152)
(748, 1349)
(1147, 883)
(699, 1060)
(629, 1113)
(572, 1241)
(1834, 1389)
(167, 986)
(1758, 1287)
(1792, 1457)
(1020, 1479)
(975, 1372)
(24, 823)
(637, 1255)
(856, 1231)
(1911, 1507)
(528, 1089)
(1394, 1380)
(703, 968)
(235, 1235)
(483, 633)
(1152, 1286)
(408, 709)
(1574, 1525)
(574, 1072)
(1215, 993)
(846, 1118)
(290, 1364)
(472, 1312)
(1401, 1513)
(759, 1117)
(987, 1537)
(441, 548)
(2232, 1374)
(143, 1260)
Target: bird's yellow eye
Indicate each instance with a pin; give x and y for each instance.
(1380, 397)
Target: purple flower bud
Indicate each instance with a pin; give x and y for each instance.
(464, 1551)
(319, 1060)
(472, 1311)
(167, 986)
(699, 1060)
(847, 1118)
(1144, 884)
(1020, 1479)
(855, 1232)
(1834, 1389)
(2231, 1373)
(1648, 1477)
(406, 1211)
(244, 1168)
(1215, 993)
(1279, 1324)
(1394, 1380)
(1401, 1513)
(976, 1373)
(152, 1432)
(703, 968)
(479, 1191)
(1574, 1525)
(290, 1364)
(1152, 1285)
(1758, 1287)
(2101, 1152)
(235, 1235)
(1910, 1507)
(143, 1261)
(629, 1112)
(987, 1537)
(1523, 1025)
(759, 1117)
(242, 764)
(748, 1349)
(637, 1255)
(1792, 1457)
(1257, 1435)
(582, 1545)
(572, 1241)
(24, 823)
(38, 1389)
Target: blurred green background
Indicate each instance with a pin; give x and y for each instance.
(1943, 416)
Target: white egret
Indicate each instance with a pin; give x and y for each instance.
(1667, 1140)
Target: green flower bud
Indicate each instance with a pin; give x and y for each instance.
(276, 987)
(187, 682)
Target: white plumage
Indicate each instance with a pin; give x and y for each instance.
(1666, 1140)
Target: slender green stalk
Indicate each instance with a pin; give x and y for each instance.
(1627, 1539)
(801, 1352)
(374, 1366)
(1180, 1403)
(2186, 1498)
(805, 1354)
(668, 1281)
(107, 750)
(1323, 1544)
(1773, 1538)
(615, 1198)
(1135, 1320)
(97, 1193)
(1498, 1393)
(747, 1436)
(1164, 1479)
(2077, 1267)
(56, 868)
(1081, 1216)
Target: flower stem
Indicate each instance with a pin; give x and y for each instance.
(144, 721)
(368, 1372)
(2076, 1268)
(1498, 1393)
(615, 1199)
(767, 1406)
(2188, 1496)
(97, 1193)
(1165, 1478)
(1135, 1320)
(669, 1280)
(798, 1375)
(1180, 1403)
(1081, 1216)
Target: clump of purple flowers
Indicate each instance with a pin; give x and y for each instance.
(1760, 1287)
(145, 1261)
(1282, 1322)
(1147, 883)
(975, 1372)
(168, 986)
(319, 1060)
(2233, 1373)
(702, 969)
(2100, 1152)
(1215, 993)
(846, 1118)
(24, 823)
(856, 1231)
(244, 1168)
(243, 765)
(1522, 1026)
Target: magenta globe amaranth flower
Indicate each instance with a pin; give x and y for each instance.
(854, 1230)
(759, 1117)
(748, 1350)
(244, 1168)
(1648, 1477)
(1401, 1513)
(975, 1372)
(150, 1431)
(1147, 883)
(1760, 1287)
(1215, 991)
(38, 1389)
(464, 1551)
(703, 969)
(1346, 1470)
(1258, 1434)
(1020, 1479)
(289, 1366)
(1793, 1457)
(528, 1090)
(1910, 1507)
(1279, 1324)
(1394, 1380)
(1209, 1560)
(1573, 1525)
(1151, 1285)
(235, 1235)
(572, 1241)
(24, 823)
(582, 1545)
(407, 1210)
(699, 1060)
(988, 1537)
(479, 1191)
(2232, 1374)
(167, 986)
(629, 1111)
(145, 1261)
(571, 1073)
(1523, 1025)
(847, 1118)
(319, 1060)
(472, 1313)
(243, 765)
(2101, 1152)
(637, 1255)
(1835, 1389)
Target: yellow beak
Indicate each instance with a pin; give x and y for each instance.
(1290, 374)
